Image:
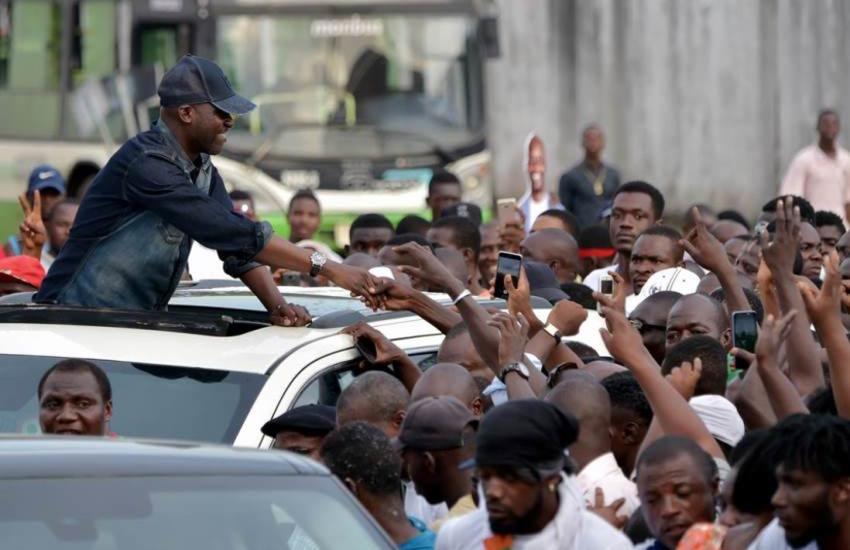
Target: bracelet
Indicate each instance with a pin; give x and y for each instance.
(461, 296)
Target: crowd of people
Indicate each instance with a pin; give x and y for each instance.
(521, 436)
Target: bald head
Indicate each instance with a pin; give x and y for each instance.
(555, 248)
(602, 369)
(697, 314)
(580, 395)
(449, 379)
(728, 229)
(376, 398)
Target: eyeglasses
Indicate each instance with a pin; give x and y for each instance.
(642, 327)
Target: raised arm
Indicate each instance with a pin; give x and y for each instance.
(673, 413)
(707, 251)
(804, 367)
(824, 308)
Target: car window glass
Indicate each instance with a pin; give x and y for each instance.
(325, 388)
(152, 401)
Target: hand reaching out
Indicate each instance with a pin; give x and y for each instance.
(779, 254)
(386, 352)
(704, 247)
(567, 316)
(771, 336)
(621, 290)
(623, 341)
(513, 337)
(824, 305)
(519, 296)
(425, 267)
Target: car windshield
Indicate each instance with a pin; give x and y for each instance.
(356, 87)
(176, 513)
(153, 401)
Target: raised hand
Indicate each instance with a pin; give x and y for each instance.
(771, 336)
(704, 247)
(567, 316)
(359, 282)
(621, 290)
(513, 337)
(33, 232)
(685, 377)
(519, 296)
(779, 254)
(824, 304)
(424, 266)
(623, 341)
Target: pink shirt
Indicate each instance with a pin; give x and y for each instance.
(822, 180)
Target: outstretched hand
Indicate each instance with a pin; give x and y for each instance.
(771, 335)
(359, 282)
(685, 377)
(290, 315)
(386, 352)
(780, 253)
(623, 340)
(824, 304)
(704, 247)
(513, 337)
(621, 290)
(609, 512)
(422, 265)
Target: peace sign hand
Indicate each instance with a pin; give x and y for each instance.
(33, 232)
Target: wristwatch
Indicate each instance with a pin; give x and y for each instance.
(553, 331)
(317, 262)
(518, 368)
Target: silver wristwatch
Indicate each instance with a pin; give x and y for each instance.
(317, 262)
(518, 368)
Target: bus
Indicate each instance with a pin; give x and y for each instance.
(359, 100)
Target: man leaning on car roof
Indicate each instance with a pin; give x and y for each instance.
(159, 192)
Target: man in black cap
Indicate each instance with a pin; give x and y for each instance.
(530, 503)
(438, 434)
(159, 192)
(302, 430)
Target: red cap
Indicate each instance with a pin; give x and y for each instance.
(21, 269)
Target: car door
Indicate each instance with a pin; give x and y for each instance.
(307, 373)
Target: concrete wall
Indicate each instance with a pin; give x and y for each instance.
(707, 99)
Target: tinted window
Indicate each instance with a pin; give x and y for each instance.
(178, 513)
(153, 401)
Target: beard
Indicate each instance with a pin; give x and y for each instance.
(519, 525)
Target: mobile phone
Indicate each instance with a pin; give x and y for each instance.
(509, 264)
(366, 348)
(606, 287)
(506, 211)
(744, 334)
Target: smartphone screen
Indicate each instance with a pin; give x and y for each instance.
(508, 264)
(744, 334)
(606, 286)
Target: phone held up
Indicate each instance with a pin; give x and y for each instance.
(509, 264)
(506, 211)
(744, 334)
(606, 287)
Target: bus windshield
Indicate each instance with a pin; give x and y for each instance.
(357, 86)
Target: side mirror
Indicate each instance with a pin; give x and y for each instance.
(488, 34)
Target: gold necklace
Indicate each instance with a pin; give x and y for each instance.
(598, 181)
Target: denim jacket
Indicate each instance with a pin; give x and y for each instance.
(130, 241)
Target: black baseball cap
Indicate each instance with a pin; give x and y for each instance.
(466, 210)
(197, 80)
(314, 419)
(434, 424)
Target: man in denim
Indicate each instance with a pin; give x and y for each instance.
(159, 192)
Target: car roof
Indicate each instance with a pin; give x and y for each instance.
(52, 456)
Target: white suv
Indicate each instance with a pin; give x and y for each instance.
(209, 369)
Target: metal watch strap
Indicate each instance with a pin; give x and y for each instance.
(317, 262)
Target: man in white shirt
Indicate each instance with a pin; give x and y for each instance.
(527, 501)
(537, 197)
(581, 396)
(821, 172)
(637, 206)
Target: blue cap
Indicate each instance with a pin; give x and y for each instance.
(44, 177)
(197, 80)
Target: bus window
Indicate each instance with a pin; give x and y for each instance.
(29, 58)
(163, 44)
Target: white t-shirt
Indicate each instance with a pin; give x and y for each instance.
(417, 507)
(772, 537)
(605, 473)
(573, 528)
